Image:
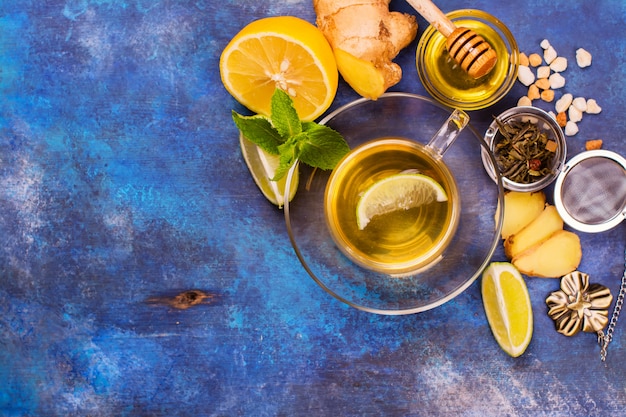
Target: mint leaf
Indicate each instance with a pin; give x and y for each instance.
(259, 130)
(321, 146)
(284, 134)
(289, 154)
(284, 116)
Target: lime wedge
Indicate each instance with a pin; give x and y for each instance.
(397, 192)
(262, 166)
(507, 306)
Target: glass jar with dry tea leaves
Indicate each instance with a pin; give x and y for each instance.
(529, 148)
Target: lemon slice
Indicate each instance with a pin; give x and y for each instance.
(507, 306)
(283, 52)
(397, 192)
(262, 166)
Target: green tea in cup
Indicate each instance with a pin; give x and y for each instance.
(396, 236)
(392, 205)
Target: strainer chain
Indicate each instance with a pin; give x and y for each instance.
(605, 339)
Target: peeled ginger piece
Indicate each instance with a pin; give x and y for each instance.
(362, 75)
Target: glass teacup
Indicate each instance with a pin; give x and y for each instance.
(472, 242)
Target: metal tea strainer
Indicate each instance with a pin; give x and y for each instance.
(590, 192)
(590, 196)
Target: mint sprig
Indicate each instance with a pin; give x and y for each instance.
(284, 134)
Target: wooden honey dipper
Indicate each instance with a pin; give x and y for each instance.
(465, 46)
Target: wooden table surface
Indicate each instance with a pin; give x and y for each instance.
(122, 186)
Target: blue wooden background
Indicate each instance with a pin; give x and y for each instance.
(122, 186)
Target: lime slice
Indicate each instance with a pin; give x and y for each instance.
(262, 166)
(397, 192)
(507, 306)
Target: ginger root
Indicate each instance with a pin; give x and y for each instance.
(371, 34)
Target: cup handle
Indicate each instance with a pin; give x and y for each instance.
(448, 132)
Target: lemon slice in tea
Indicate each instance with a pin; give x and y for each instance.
(507, 306)
(397, 192)
(262, 166)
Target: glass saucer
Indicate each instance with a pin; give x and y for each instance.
(478, 234)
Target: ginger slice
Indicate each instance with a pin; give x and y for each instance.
(552, 258)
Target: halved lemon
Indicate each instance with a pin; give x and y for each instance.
(262, 166)
(507, 306)
(283, 52)
(397, 192)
